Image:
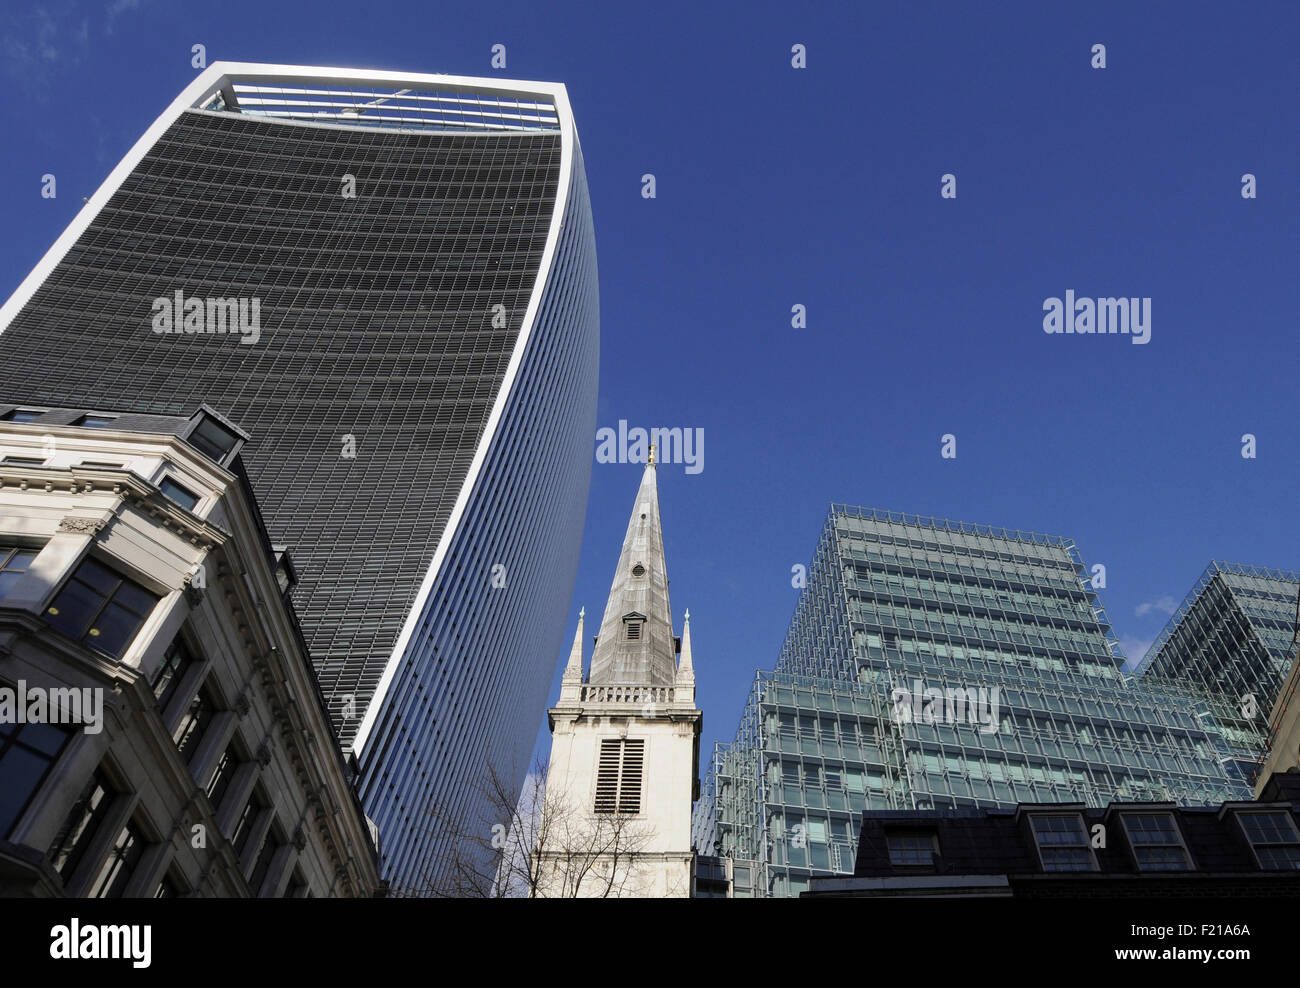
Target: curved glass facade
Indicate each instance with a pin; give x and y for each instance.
(420, 389)
(476, 672)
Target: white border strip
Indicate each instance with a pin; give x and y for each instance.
(568, 135)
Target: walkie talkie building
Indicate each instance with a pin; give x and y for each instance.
(389, 280)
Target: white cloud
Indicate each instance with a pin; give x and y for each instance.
(41, 41)
(1165, 604)
(115, 9)
(49, 38)
(1135, 649)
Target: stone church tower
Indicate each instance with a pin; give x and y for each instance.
(625, 740)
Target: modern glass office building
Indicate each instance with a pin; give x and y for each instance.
(389, 280)
(934, 664)
(1232, 641)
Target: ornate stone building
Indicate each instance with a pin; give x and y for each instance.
(161, 729)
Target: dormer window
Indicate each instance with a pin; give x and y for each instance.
(633, 625)
(213, 440)
(22, 415)
(1156, 842)
(1062, 842)
(638, 570)
(95, 421)
(1273, 838)
(913, 850)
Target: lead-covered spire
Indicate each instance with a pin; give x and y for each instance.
(636, 645)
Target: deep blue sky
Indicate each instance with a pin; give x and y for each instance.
(820, 186)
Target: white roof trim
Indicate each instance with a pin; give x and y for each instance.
(220, 75)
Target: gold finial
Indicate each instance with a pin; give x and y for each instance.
(652, 455)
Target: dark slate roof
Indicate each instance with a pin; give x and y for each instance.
(123, 420)
(999, 842)
(971, 842)
(126, 421)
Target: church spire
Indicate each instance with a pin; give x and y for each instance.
(635, 646)
(571, 681)
(685, 667)
(628, 740)
(573, 671)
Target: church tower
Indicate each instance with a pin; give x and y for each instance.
(625, 740)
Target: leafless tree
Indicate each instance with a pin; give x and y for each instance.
(537, 843)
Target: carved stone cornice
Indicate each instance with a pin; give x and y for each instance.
(78, 525)
(133, 490)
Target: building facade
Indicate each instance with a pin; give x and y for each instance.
(936, 665)
(1232, 640)
(1284, 730)
(1060, 850)
(161, 729)
(625, 739)
(390, 280)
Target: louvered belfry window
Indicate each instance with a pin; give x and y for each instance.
(618, 777)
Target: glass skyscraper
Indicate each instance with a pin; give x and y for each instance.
(417, 257)
(934, 664)
(1231, 641)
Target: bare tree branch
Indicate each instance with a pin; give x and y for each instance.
(536, 843)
